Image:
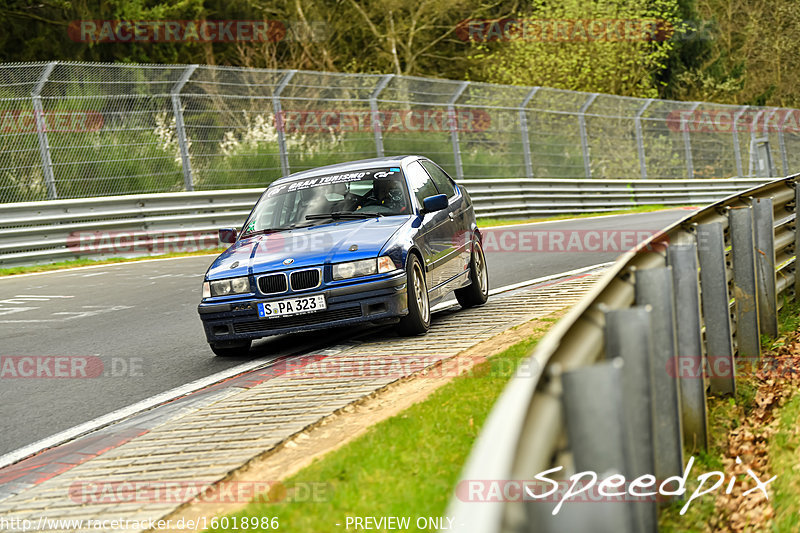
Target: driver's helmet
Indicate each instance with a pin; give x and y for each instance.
(386, 189)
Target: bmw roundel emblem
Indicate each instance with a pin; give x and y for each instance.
(288, 261)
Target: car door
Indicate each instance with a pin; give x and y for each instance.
(435, 227)
(458, 212)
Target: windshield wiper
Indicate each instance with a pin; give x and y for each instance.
(267, 230)
(336, 215)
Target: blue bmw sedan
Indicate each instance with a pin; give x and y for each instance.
(379, 240)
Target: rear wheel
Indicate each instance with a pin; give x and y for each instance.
(477, 292)
(230, 349)
(418, 319)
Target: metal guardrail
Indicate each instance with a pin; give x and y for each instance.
(75, 130)
(136, 225)
(599, 395)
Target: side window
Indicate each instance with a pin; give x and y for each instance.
(420, 182)
(442, 180)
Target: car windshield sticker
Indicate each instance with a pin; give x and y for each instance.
(347, 177)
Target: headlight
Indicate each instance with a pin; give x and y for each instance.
(225, 287)
(355, 269)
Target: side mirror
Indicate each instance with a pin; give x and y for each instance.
(228, 235)
(434, 203)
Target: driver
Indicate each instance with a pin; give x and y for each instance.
(385, 193)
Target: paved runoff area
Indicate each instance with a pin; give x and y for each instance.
(124, 476)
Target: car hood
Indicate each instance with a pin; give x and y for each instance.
(329, 243)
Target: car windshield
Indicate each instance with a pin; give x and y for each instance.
(321, 199)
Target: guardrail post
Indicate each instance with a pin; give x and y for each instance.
(180, 127)
(654, 288)
(737, 149)
(523, 128)
(640, 138)
(279, 126)
(627, 335)
(683, 260)
(587, 168)
(377, 128)
(593, 412)
(765, 264)
(41, 131)
(451, 115)
(744, 281)
(797, 240)
(687, 142)
(716, 312)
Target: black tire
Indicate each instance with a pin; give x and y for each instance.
(477, 292)
(418, 319)
(231, 349)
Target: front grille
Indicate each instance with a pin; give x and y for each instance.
(272, 284)
(305, 279)
(298, 320)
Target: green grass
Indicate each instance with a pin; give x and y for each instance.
(488, 222)
(783, 455)
(76, 263)
(407, 465)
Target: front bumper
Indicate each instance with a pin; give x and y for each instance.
(346, 305)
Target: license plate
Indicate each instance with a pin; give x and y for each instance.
(293, 306)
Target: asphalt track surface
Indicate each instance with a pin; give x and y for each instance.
(136, 330)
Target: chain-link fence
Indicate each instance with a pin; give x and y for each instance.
(70, 130)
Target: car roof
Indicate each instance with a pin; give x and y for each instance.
(350, 166)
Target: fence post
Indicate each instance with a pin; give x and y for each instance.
(782, 143)
(41, 131)
(654, 288)
(753, 148)
(593, 413)
(276, 107)
(627, 335)
(451, 115)
(744, 281)
(687, 142)
(587, 168)
(523, 128)
(373, 108)
(765, 265)
(737, 149)
(640, 138)
(180, 127)
(683, 260)
(716, 312)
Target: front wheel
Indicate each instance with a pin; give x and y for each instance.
(231, 349)
(477, 292)
(418, 319)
